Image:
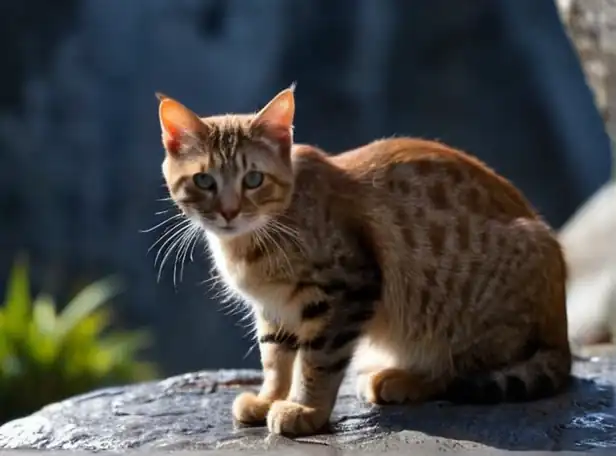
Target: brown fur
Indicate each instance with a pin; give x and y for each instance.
(417, 262)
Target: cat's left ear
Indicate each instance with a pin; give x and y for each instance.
(277, 116)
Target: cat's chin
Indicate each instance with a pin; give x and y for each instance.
(235, 230)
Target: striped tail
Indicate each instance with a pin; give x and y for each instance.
(544, 374)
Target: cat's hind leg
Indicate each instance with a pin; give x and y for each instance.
(381, 379)
(397, 386)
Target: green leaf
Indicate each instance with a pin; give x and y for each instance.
(124, 345)
(17, 300)
(41, 348)
(40, 343)
(85, 302)
(46, 356)
(44, 314)
(84, 334)
(4, 344)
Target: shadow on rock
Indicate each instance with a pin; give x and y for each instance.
(581, 418)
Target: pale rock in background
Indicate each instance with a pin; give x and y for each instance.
(589, 237)
(589, 242)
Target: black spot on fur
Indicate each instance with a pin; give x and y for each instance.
(361, 316)
(315, 310)
(343, 338)
(285, 339)
(315, 344)
(335, 367)
(333, 287)
(369, 292)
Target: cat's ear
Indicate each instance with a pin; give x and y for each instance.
(177, 123)
(277, 116)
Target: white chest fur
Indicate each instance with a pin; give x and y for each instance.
(246, 282)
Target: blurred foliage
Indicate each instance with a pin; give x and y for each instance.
(47, 355)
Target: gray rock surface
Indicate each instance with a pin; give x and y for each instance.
(192, 412)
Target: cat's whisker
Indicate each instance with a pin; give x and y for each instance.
(212, 278)
(258, 238)
(196, 241)
(292, 234)
(169, 232)
(277, 244)
(164, 222)
(171, 242)
(174, 246)
(182, 243)
(270, 255)
(192, 239)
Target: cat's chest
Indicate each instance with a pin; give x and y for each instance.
(249, 281)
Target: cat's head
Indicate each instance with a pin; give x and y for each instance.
(231, 173)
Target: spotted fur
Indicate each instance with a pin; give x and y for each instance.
(410, 260)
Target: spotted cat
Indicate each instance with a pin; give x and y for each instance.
(409, 260)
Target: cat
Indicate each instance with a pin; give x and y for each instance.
(407, 260)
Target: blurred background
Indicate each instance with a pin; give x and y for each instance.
(80, 149)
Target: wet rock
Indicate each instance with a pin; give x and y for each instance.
(192, 411)
(589, 242)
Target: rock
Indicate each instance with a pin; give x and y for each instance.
(588, 237)
(589, 24)
(192, 411)
(589, 244)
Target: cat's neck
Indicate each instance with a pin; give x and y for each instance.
(232, 246)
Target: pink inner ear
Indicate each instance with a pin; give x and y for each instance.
(279, 134)
(175, 120)
(277, 117)
(172, 136)
(171, 143)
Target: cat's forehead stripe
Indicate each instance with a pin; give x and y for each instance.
(223, 143)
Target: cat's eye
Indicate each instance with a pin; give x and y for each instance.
(205, 181)
(253, 179)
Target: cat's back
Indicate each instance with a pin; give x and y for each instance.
(434, 176)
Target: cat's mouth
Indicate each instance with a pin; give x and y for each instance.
(234, 228)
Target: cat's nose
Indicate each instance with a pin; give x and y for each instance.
(229, 213)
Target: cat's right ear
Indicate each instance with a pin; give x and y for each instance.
(276, 117)
(177, 123)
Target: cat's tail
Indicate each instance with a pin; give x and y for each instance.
(542, 375)
(547, 367)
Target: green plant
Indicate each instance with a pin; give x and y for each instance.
(46, 355)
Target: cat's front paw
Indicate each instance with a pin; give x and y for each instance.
(250, 409)
(292, 419)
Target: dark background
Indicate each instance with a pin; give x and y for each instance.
(80, 145)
